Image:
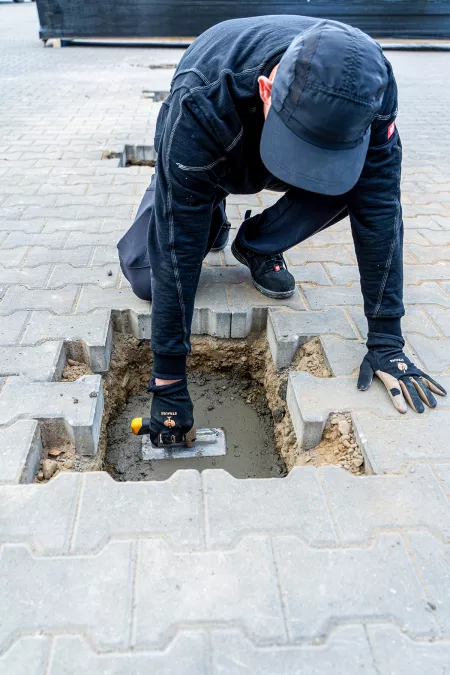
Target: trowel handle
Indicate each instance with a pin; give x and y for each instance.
(140, 426)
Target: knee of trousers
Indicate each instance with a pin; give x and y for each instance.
(140, 280)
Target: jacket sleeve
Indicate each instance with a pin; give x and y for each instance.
(188, 160)
(376, 215)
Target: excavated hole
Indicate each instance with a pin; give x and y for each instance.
(134, 155)
(233, 383)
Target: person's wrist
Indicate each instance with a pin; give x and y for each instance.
(160, 382)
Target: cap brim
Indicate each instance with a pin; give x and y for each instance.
(307, 166)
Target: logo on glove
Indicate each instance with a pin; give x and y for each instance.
(169, 423)
(402, 366)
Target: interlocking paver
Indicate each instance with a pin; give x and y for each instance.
(344, 357)
(11, 327)
(414, 321)
(233, 588)
(27, 656)
(43, 362)
(441, 318)
(21, 451)
(20, 297)
(389, 444)
(356, 584)
(104, 277)
(434, 354)
(39, 255)
(396, 653)
(31, 278)
(58, 597)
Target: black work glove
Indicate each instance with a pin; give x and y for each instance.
(172, 414)
(399, 375)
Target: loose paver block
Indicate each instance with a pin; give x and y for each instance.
(94, 329)
(323, 587)
(388, 445)
(286, 331)
(312, 399)
(396, 653)
(294, 504)
(42, 362)
(58, 595)
(79, 404)
(360, 506)
(346, 650)
(20, 452)
(234, 588)
(40, 515)
(171, 509)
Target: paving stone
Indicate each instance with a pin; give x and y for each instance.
(362, 506)
(441, 318)
(22, 227)
(21, 399)
(436, 238)
(80, 239)
(434, 354)
(235, 508)
(212, 311)
(27, 656)
(19, 297)
(323, 587)
(416, 274)
(331, 236)
(430, 254)
(58, 597)
(396, 653)
(322, 298)
(34, 278)
(344, 357)
(342, 275)
(171, 509)
(43, 362)
(236, 587)
(390, 444)
(11, 327)
(19, 238)
(94, 329)
(249, 308)
(345, 650)
(311, 400)
(185, 655)
(300, 256)
(90, 226)
(39, 255)
(68, 274)
(286, 331)
(104, 254)
(443, 473)
(11, 257)
(21, 451)
(414, 321)
(428, 293)
(432, 560)
(310, 273)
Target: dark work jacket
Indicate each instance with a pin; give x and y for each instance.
(207, 138)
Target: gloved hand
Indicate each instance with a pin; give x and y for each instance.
(399, 375)
(172, 415)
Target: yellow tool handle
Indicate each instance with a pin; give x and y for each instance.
(140, 426)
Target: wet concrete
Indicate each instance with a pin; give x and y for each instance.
(219, 401)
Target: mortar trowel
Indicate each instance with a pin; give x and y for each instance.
(206, 442)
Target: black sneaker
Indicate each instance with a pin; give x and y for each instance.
(269, 272)
(222, 238)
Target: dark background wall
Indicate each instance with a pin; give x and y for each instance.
(186, 18)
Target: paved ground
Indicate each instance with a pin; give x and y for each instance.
(320, 572)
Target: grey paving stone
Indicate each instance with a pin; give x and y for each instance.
(185, 655)
(21, 399)
(300, 256)
(416, 274)
(11, 257)
(22, 227)
(68, 274)
(104, 254)
(34, 278)
(443, 473)
(90, 226)
(331, 236)
(323, 587)
(212, 311)
(390, 444)
(396, 653)
(311, 400)
(21, 450)
(343, 357)
(40, 255)
(322, 298)
(342, 275)
(231, 588)
(44, 362)
(434, 354)
(171, 509)
(94, 329)
(40, 515)
(345, 650)
(81, 239)
(430, 254)
(19, 297)
(27, 656)
(414, 321)
(362, 506)
(249, 308)
(93, 297)
(441, 318)
(310, 273)
(428, 293)
(436, 238)
(20, 238)
(286, 331)
(11, 327)
(58, 597)
(295, 504)
(432, 560)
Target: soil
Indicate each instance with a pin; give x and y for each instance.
(236, 404)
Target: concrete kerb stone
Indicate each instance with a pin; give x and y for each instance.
(78, 404)
(311, 400)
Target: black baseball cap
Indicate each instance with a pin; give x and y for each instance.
(327, 90)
